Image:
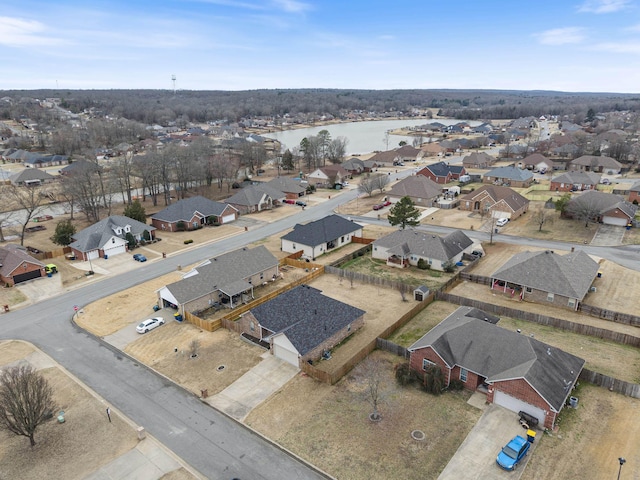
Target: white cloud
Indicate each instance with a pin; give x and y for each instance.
(561, 36)
(604, 6)
(292, 6)
(618, 47)
(16, 32)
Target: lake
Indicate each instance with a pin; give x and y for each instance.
(363, 137)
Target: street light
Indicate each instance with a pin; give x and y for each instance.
(622, 462)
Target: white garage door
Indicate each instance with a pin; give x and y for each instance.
(285, 354)
(228, 218)
(615, 221)
(93, 254)
(115, 250)
(516, 405)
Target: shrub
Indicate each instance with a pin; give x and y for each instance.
(403, 373)
(187, 242)
(456, 385)
(180, 226)
(423, 264)
(433, 380)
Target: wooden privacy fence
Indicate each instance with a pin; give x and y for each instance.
(368, 279)
(580, 328)
(613, 384)
(389, 346)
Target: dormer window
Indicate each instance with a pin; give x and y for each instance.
(127, 228)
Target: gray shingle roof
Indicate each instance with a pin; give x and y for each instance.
(442, 169)
(223, 273)
(416, 186)
(498, 193)
(600, 161)
(252, 194)
(510, 173)
(12, 256)
(570, 275)
(30, 174)
(409, 241)
(287, 185)
(603, 203)
(321, 231)
(305, 316)
(185, 209)
(499, 354)
(575, 177)
(95, 236)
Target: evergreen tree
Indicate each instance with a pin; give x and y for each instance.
(404, 213)
(65, 230)
(136, 211)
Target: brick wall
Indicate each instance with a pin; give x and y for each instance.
(522, 390)
(334, 340)
(415, 362)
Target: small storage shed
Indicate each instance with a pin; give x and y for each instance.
(421, 293)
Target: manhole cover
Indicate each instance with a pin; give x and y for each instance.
(418, 435)
(220, 368)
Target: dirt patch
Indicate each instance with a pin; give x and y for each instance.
(616, 290)
(456, 219)
(329, 425)
(604, 427)
(422, 323)
(73, 450)
(11, 296)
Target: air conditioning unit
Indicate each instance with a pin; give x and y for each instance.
(593, 289)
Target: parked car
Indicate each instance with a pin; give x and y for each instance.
(513, 452)
(477, 253)
(51, 268)
(138, 257)
(301, 203)
(149, 324)
(501, 222)
(378, 206)
(386, 204)
(289, 201)
(605, 181)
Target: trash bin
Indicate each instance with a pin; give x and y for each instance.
(156, 308)
(49, 274)
(496, 230)
(599, 274)
(531, 436)
(177, 316)
(573, 401)
(106, 256)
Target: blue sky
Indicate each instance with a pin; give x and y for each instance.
(583, 45)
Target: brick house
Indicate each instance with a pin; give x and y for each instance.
(606, 208)
(192, 213)
(478, 160)
(17, 266)
(509, 177)
(634, 193)
(594, 163)
(301, 324)
(547, 278)
(328, 176)
(255, 198)
(497, 200)
(422, 191)
(515, 371)
(293, 189)
(442, 172)
(226, 280)
(575, 181)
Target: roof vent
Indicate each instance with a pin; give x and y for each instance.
(548, 351)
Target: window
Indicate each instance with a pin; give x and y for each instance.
(572, 302)
(528, 289)
(463, 374)
(549, 297)
(427, 363)
(252, 326)
(261, 276)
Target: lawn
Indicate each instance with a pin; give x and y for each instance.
(422, 323)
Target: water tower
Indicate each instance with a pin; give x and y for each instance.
(173, 80)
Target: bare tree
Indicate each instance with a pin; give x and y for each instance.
(5, 218)
(26, 401)
(541, 216)
(585, 208)
(373, 371)
(367, 185)
(30, 200)
(337, 149)
(380, 182)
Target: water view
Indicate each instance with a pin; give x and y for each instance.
(363, 137)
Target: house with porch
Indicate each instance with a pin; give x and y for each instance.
(319, 237)
(31, 177)
(192, 213)
(404, 248)
(256, 198)
(515, 371)
(547, 278)
(328, 176)
(224, 281)
(108, 237)
(302, 324)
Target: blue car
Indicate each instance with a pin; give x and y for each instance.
(138, 257)
(513, 452)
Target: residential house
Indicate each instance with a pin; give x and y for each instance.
(407, 153)
(80, 167)
(354, 166)
(537, 162)
(45, 161)
(328, 176)
(302, 324)
(108, 237)
(442, 172)
(31, 177)
(509, 177)
(634, 193)
(432, 149)
(593, 163)
(319, 237)
(17, 266)
(289, 186)
(422, 191)
(256, 198)
(478, 160)
(516, 371)
(384, 159)
(575, 181)
(606, 208)
(228, 280)
(547, 278)
(403, 248)
(192, 213)
(497, 200)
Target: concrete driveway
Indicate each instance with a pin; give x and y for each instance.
(476, 456)
(608, 235)
(128, 334)
(254, 387)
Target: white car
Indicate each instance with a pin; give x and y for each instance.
(149, 324)
(501, 222)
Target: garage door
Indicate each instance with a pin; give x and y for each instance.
(23, 277)
(285, 354)
(615, 221)
(228, 218)
(516, 405)
(115, 250)
(93, 254)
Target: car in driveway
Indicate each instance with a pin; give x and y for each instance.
(149, 324)
(378, 206)
(138, 257)
(301, 203)
(513, 452)
(501, 222)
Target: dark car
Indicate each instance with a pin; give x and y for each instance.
(378, 206)
(138, 257)
(301, 203)
(289, 201)
(513, 452)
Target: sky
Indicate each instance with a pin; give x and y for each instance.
(564, 45)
